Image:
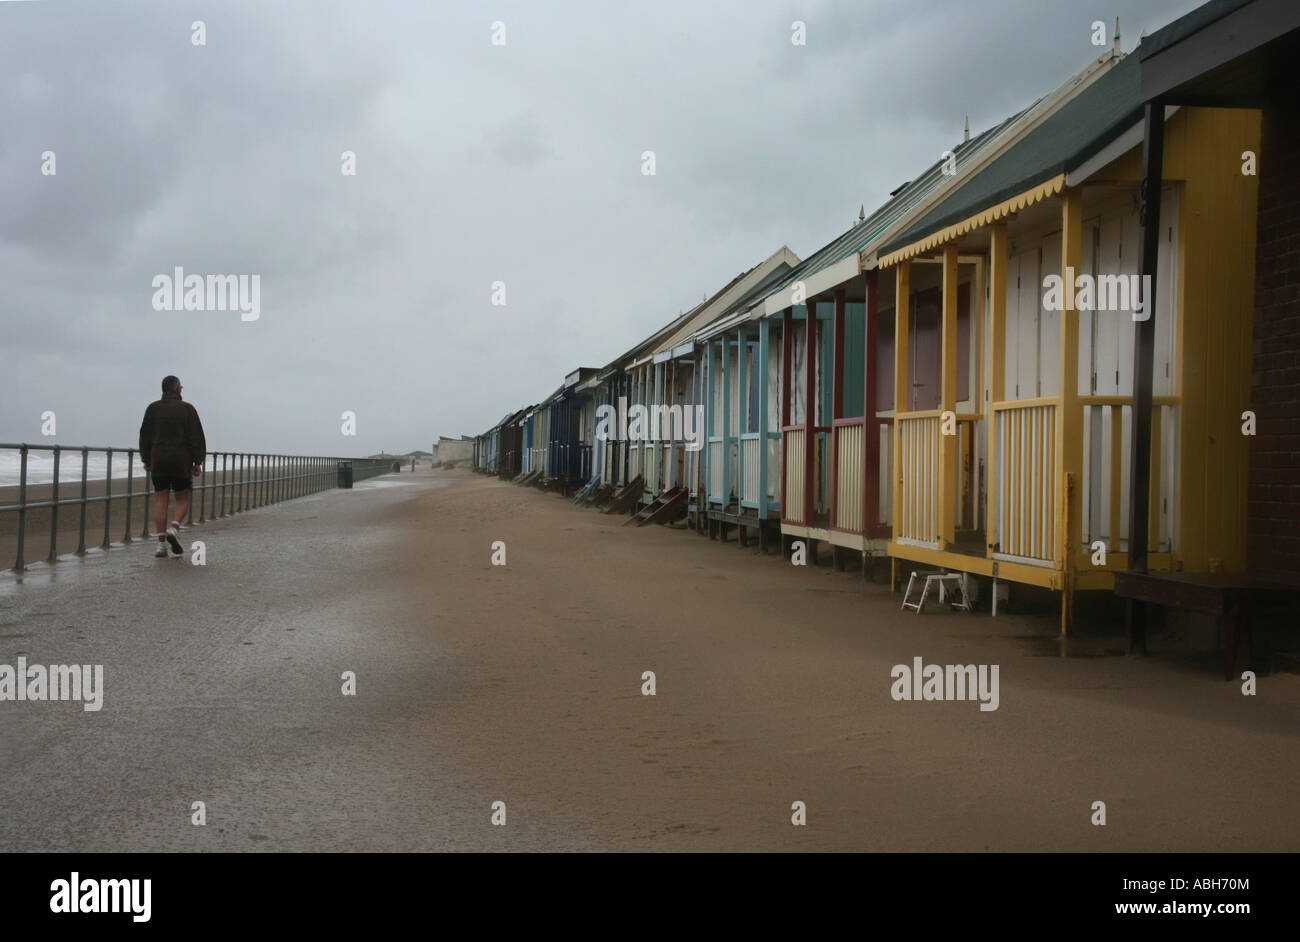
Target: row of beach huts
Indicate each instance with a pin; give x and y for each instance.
(1064, 355)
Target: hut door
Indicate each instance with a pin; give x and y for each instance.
(927, 350)
(926, 354)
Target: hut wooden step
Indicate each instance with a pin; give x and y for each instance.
(624, 499)
(585, 492)
(663, 508)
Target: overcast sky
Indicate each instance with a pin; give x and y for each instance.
(475, 163)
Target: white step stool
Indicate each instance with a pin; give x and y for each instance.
(942, 579)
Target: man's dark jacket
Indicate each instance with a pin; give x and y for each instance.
(171, 437)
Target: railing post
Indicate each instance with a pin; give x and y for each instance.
(81, 530)
(22, 505)
(108, 497)
(54, 510)
(148, 505)
(130, 490)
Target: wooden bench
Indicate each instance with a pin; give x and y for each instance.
(1227, 596)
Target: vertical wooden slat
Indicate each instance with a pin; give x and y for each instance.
(902, 299)
(810, 409)
(947, 444)
(1153, 535)
(995, 470)
(837, 397)
(764, 344)
(870, 435)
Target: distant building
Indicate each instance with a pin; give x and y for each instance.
(450, 450)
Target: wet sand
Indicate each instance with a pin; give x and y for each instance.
(773, 686)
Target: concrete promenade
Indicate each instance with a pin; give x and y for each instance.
(522, 684)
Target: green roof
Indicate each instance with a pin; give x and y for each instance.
(1080, 128)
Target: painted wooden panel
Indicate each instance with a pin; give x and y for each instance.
(773, 382)
(799, 354)
(774, 468)
(716, 468)
(885, 361)
(1023, 288)
(883, 483)
(1049, 322)
(1107, 431)
(792, 504)
(918, 519)
(849, 478)
(924, 370)
(1087, 318)
(1165, 376)
(1025, 513)
(855, 313)
(734, 377)
(751, 453)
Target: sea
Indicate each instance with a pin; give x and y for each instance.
(40, 466)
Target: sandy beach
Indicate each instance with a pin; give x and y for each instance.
(773, 686)
(523, 684)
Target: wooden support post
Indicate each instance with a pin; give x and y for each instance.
(742, 411)
(710, 422)
(725, 457)
(870, 431)
(993, 471)
(764, 344)
(948, 480)
(810, 411)
(787, 394)
(837, 401)
(902, 397)
(1069, 419)
(1139, 519)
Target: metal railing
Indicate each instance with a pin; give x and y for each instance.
(231, 482)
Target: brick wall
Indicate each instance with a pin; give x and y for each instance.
(1273, 526)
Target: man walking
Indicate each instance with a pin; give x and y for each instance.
(172, 449)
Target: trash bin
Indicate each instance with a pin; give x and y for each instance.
(345, 474)
(397, 466)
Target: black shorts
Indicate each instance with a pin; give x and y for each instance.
(163, 482)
